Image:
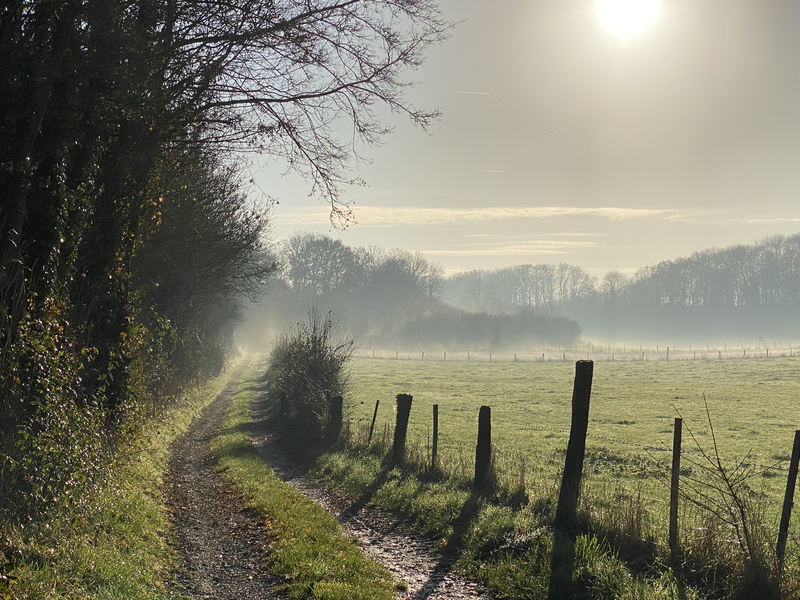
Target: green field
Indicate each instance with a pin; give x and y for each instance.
(753, 406)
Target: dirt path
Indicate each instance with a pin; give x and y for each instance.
(222, 543)
(427, 573)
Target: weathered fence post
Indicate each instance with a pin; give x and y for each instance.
(483, 451)
(335, 416)
(435, 447)
(673, 491)
(567, 508)
(401, 427)
(788, 501)
(372, 425)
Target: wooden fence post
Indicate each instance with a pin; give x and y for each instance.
(435, 447)
(567, 509)
(673, 491)
(374, 416)
(788, 501)
(401, 427)
(335, 415)
(483, 451)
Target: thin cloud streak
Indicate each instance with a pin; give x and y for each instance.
(375, 216)
(518, 249)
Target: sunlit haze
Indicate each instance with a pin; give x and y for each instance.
(627, 17)
(562, 141)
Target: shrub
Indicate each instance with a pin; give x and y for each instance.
(307, 368)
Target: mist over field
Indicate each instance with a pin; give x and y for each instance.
(743, 294)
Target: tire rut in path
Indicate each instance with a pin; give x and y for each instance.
(221, 541)
(411, 558)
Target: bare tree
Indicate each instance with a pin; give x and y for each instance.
(286, 77)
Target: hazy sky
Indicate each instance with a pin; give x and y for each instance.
(564, 141)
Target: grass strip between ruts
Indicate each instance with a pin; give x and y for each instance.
(306, 546)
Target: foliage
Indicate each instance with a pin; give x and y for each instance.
(394, 298)
(307, 368)
(124, 234)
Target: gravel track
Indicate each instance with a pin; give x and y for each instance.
(427, 573)
(221, 542)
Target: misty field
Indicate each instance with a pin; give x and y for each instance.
(753, 406)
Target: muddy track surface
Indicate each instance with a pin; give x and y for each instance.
(426, 572)
(221, 542)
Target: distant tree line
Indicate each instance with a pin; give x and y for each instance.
(127, 232)
(391, 298)
(743, 290)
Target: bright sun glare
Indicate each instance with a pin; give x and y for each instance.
(627, 17)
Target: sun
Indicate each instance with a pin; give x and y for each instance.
(627, 17)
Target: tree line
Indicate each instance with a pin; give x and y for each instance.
(390, 298)
(128, 228)
(742, 290)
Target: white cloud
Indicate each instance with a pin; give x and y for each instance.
(384, 216)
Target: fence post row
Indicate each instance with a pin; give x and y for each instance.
(401, 427)
(673, 491)
(567, 508)
(788, 501)
(483, 451)
(374, 416)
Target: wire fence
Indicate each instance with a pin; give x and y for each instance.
(597, 353)
(637, 513)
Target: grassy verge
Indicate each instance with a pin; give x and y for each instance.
(116, 545)
(505, 541)
(307, 546)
